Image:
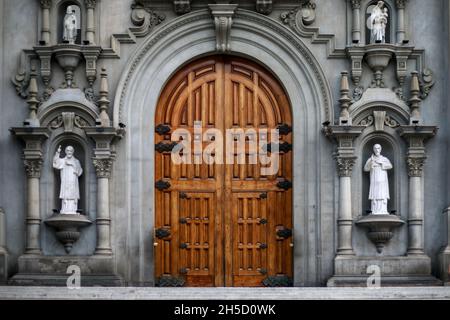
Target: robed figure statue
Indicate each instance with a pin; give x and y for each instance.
(70, 170)
(378, 165)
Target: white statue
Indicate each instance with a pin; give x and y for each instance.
(70, 26)
(70, 171)
(378, 165)
(377, 23)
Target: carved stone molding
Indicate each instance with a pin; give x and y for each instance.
(305, 13)
(46, 4)
(182, 6)
(426, 84)
(103, 167)
(345, 165)
(33, 167)
(144, 18)
(415, 165)
(223, 19)
(90, 4)
(400, 4)
(264, 6)
(379, 119)
(356, 4)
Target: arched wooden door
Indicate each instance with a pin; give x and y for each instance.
(222, 224)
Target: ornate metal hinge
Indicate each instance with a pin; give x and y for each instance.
(285, 184)
(284, 233)
(165, 147)
(161, 233)
(284, 147)
(162, 129)
(277, 281)
(162, 185)
(284, 129)
(170, 281)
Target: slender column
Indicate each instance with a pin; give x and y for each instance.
(33, 219)
(45, 27)
(3, 251)
(103, 170)
(345, 220)
(2, 232)
(416, 205)
(356, 21)
(401, 30)
(90, 21)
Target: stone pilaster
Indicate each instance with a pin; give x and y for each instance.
(90, 21)
(401, 29)
(345, 158)
(45, 26)
(103, 171)
(415, 159)
(3, 251)
(356, 20)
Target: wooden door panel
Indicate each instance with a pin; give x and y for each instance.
(221, 220)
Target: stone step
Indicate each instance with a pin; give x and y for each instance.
(152, 293)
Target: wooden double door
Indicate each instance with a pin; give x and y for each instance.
(223, 224)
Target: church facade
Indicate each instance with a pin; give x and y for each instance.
(224, 143)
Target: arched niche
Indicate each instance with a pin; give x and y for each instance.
(390, 27)
(77, 8)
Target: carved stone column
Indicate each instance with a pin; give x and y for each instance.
(345, 159)
(103, 170)
(3, 251)
(90, 21)
(415, 159)
(45, 26)
(103, 159)
(401, 30)
(356, 21)
(32, 159)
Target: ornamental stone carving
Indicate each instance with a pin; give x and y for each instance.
(33, 167)
(46, 4)
(345, 166)
(415, 166)
(103, 167)
(182, 6)
(90, 4)
(264, 6)
(223, 19)
(144, 18)
(356, 4)
(400, 4)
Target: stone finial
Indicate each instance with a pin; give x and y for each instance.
(344, 101)
(415, 99)
(33, 101)
(103, 102)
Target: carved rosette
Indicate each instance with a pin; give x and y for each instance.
(345, 166)
(103, 167)
(33, 167)
(90, 4)
(415, 166)
(46, 4)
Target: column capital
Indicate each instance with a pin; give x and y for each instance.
(90, 4)
(33, 167)
(415, 165)
(356, 4)
(345, 165)
(400, 4)
(46, 4)
(103, 167)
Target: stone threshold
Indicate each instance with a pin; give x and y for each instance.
(152, 293)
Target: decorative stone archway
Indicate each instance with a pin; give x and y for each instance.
(162, 53)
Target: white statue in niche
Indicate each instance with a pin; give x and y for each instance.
(70, 26)
(377, 23)
(70, 169)
(378, 165)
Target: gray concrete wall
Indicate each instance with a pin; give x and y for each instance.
(19, 29)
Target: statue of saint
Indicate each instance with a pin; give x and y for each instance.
(378, 165)
(70, 26)
(70, 169)
(377, 23)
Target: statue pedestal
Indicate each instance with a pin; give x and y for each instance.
(351, 271)
(39, 270)
(68, 227)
